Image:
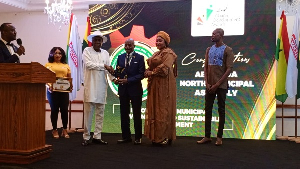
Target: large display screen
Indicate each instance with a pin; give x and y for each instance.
(250, 104)
(208, 15)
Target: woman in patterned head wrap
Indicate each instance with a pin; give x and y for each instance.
(160, 126)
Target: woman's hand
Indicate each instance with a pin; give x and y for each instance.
(148, 73)
(49, 87)
(71, 87)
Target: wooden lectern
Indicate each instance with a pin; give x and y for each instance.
(22, 112)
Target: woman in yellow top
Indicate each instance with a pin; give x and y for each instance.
(58, 100)
(161, 102)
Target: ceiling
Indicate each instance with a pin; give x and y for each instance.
(38, 5)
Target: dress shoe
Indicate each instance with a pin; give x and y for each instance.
(204, 140)
(55, 134)
(85, 142)
(124, 141)
(65, 134)
(219, 141)
(164, 142)
(99, 141)
(137, 142)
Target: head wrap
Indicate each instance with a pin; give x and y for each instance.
(165, 36)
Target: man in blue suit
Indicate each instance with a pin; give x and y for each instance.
(129, 74)
(9, 53)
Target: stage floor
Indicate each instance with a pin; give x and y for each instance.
(183, 153)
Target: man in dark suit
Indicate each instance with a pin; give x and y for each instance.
(9, 53)
(129, 73)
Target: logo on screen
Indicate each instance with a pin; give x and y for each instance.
(209, 15)
(140, 48)
(201, 18)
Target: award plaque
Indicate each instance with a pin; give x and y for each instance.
(62, 84)
(119, 72)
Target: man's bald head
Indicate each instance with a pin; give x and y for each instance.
(129, 45)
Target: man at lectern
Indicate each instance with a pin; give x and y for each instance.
(218, 66)
(9, 53)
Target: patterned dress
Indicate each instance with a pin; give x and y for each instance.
(160, 122)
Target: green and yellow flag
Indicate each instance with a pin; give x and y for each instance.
(85, 42)
(282, 54)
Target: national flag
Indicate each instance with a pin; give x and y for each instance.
(74, 53)
(85, 42)
(282, 53)
(298, 77)
(292, 70)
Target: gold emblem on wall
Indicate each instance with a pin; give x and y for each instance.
(111, 17)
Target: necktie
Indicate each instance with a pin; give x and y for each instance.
(127, 60)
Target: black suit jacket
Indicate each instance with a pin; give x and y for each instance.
(5, 56)
(135, 74)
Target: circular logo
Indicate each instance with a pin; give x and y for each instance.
(140, 48)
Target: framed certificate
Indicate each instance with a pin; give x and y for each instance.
(62, 84)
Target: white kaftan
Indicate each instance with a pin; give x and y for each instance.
(95, 89)
(95, 75)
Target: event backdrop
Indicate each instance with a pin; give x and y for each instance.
(250, 104)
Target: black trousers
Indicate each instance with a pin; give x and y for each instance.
(136, 102)
(209, 101)
(59, 101)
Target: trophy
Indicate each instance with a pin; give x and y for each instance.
(119, 72)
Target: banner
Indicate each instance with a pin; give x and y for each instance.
(282, 54)
(250, 103)
(292, 70)
(74, 55)
(85, 42)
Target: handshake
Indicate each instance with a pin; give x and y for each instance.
(110, 69)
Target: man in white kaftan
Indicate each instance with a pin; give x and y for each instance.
(95, 87)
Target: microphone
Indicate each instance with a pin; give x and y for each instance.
(19, 42)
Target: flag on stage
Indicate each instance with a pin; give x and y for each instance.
(292, 70)
(298, 77)
(85, 42)
(74, 54)
(282, 53)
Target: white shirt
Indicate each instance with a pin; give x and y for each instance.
(129, 57)
(95, 75)
(10, 48)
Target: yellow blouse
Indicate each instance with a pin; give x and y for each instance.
(60, 69)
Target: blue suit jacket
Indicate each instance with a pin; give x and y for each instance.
(5, 56)
(135, 74)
